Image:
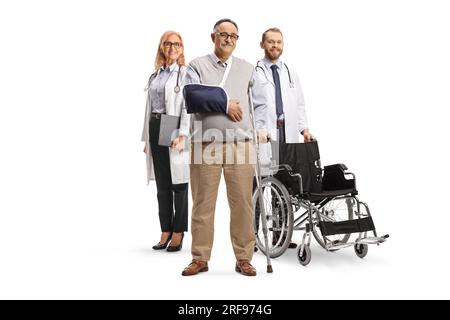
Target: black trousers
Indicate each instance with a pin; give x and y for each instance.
(170, 196)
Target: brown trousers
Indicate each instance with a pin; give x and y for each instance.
(236, 161)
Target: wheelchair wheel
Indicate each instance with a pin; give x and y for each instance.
(305, 258)
(361, 250)
(335, 210)
(279, 217)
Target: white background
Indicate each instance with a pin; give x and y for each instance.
(76, 217)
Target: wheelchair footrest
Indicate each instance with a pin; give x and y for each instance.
(368, 240)
(339, 245)
(345, 227)
(373, 240)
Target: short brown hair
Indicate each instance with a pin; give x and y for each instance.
(271, 30)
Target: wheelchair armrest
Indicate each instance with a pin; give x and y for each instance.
(341, 166)
(286, 167)
(334, 178)
(290, 172)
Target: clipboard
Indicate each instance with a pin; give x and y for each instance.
(168, 130)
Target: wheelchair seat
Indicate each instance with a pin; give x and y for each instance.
(303, 159)
(327, 194)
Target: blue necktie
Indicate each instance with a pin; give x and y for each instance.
(278, 99)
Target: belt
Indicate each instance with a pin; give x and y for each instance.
(280, 123)
(226, 141)
(156, 115)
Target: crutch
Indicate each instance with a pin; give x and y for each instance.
(258, 182)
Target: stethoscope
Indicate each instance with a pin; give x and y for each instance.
(291, 83)
(176, 89)
(177, 86)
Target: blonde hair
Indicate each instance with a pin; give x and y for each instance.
(160, 59)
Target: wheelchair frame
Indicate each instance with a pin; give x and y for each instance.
(313, 219)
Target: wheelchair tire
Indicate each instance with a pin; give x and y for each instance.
(346, 214)
(361, 250)
(279, 214)
(305, 258)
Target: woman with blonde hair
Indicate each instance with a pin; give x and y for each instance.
(169, 166)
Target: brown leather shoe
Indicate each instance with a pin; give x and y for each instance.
(195, 267)
(244, 267)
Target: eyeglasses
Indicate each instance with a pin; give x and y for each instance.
(168, 44)
(225, 35)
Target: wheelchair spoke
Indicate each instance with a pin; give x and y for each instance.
(337, 209)
(278, 209)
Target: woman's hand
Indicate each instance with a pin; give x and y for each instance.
(178, 143)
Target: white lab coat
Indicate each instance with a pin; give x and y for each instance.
(293, 107)
(175, 106)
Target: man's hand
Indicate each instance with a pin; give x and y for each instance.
(145, 149)
(307, 136)
(234, 110)
(178, 143)
(263, 136)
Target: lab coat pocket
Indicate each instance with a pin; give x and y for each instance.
(179, 166)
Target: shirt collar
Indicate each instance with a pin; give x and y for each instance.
(173, 67)
(268, 63)
(217, 60)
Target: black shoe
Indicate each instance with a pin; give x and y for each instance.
(255, 249)
(292, 245)
(178, 247)
(161, 246)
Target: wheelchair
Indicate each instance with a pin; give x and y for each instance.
(299, 195)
